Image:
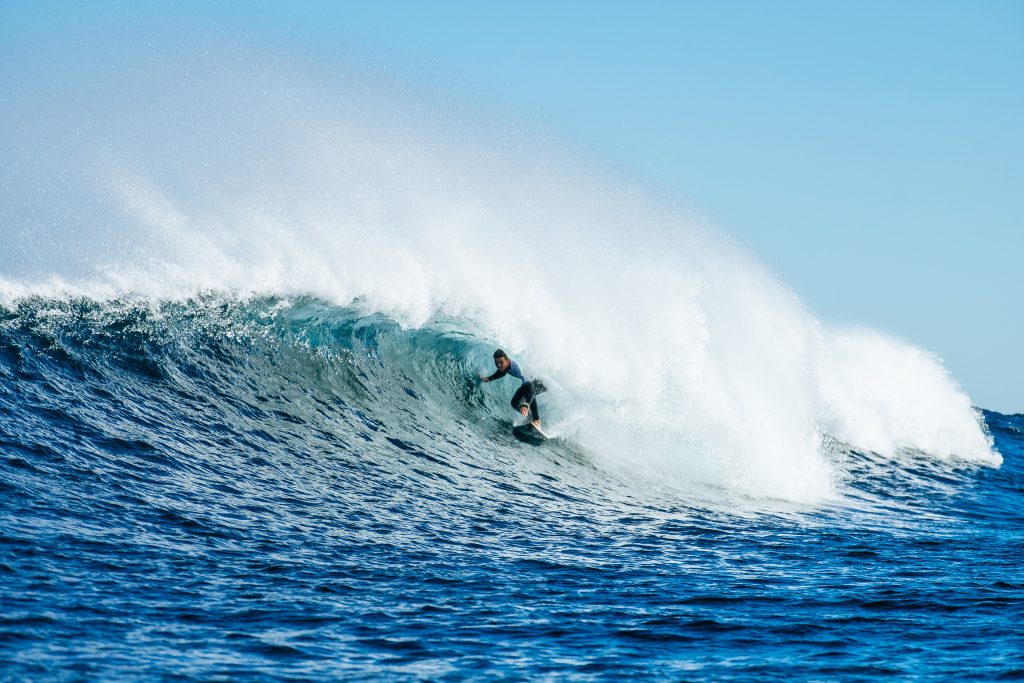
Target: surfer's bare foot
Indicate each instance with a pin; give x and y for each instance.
(536, 423)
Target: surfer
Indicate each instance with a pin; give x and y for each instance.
(525, 398)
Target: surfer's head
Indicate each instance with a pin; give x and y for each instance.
(501, 360)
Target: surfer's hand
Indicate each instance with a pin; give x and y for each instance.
(523, 411)
(485, 378)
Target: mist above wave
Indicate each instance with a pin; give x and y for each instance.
(669, 351)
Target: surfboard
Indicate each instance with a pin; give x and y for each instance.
(527, 433)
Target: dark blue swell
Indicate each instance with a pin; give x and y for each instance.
(264, 490)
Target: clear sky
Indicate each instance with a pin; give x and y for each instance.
(870, 153)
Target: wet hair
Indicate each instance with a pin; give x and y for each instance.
(501, 354)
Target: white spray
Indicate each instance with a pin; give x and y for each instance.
(669, 351)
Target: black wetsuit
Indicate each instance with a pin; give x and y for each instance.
(527, 392)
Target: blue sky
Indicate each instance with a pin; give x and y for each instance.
(871, 154)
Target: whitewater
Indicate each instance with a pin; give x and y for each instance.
(243, 312)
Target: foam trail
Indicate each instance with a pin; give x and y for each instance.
(670, 352)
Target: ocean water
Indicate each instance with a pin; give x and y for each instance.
(224, 489)
(244, 305)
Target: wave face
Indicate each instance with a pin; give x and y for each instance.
(266, 488)
(241, 319)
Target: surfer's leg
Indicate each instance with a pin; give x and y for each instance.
(536, 387)
(523, 395)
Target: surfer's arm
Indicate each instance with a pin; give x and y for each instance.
(498, 374)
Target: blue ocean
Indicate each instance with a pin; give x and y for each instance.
(244, 311)
(226, 490)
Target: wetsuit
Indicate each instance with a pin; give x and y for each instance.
(527, 391)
